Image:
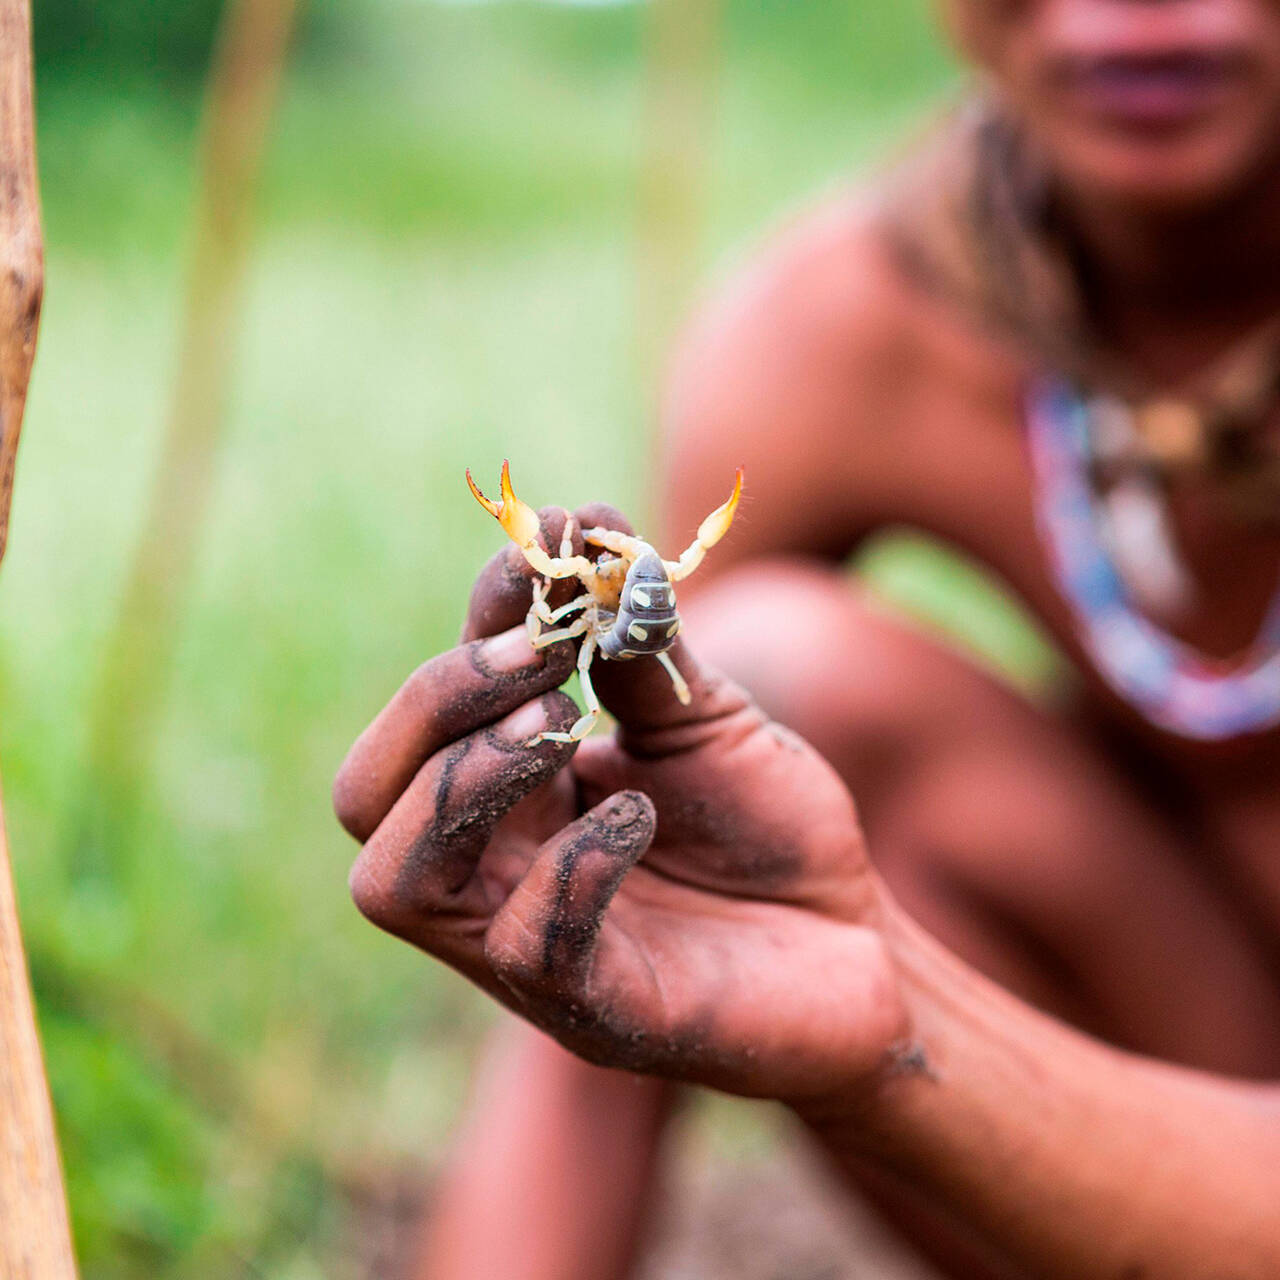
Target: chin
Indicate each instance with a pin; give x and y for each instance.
(1190, 172)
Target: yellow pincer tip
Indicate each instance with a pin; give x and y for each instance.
(716, 525)
(518, 520)
(490, 506)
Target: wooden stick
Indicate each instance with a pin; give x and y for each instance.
(21, 248)
(35, 1240)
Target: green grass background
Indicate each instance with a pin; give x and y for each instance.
(444, 274)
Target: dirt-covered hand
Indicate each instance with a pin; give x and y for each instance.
(689, 897)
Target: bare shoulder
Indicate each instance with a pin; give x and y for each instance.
(801, 366)
(822, 296)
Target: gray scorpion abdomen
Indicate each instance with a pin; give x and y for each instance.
(647, 620)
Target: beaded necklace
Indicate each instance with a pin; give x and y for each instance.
(1167, 681)
(973, 219)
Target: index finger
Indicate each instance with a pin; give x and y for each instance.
(504, 590)
(450, 696)
(640, 695)
(455, 693)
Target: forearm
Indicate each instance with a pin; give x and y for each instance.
(1072, 1159)
(552, 1173)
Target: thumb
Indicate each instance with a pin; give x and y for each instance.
(641, 695)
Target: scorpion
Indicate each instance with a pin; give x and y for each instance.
(628, 606)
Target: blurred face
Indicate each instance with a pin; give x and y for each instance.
(1165, 104)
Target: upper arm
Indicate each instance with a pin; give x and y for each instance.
(791, 371)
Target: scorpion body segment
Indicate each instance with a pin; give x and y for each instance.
(647, 621)
(627, 608)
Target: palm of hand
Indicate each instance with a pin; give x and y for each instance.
(742, 950)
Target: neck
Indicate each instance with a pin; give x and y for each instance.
(1197, 280)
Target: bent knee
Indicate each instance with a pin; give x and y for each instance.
(867, 688)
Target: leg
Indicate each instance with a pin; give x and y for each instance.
(566, 537)
(1007, 832)
(539, 610)
(544, 638)
(556, 566)
(690, 558)
(542, 615)
(677, 680)
(585, 723)
(566, 609)
(585, 655)
(621, 544)
(553, 1172)
(1012, 836)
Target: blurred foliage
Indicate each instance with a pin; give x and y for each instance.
(114, 42)
(444, 276)
(170, 40)
(169, 35)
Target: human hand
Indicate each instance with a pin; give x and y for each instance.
(689, 897)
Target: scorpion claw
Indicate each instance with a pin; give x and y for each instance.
(490, 506)
(716, 525)
(518, 520)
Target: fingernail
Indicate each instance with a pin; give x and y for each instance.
(628, 807)
(521, 725)
(511, 651)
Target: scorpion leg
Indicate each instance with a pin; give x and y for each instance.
(586, 722)
(678, 681)
(545, 638)
(710, 531)
(621, 544)
(566, 538)
(564, 610)
(539, 610)
(541, 615)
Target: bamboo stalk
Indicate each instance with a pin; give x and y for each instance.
(679, 115)
(35, 1238)
(243, 84)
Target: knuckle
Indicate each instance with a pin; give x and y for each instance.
(421, 686)
(513, 951)
(604, 515)
(373, 899)
(501, 595)
(603, 1051)
(388, 896)
(349, 803)
(516, 573)
(433, 689)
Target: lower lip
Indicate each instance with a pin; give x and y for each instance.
(1154, 93)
